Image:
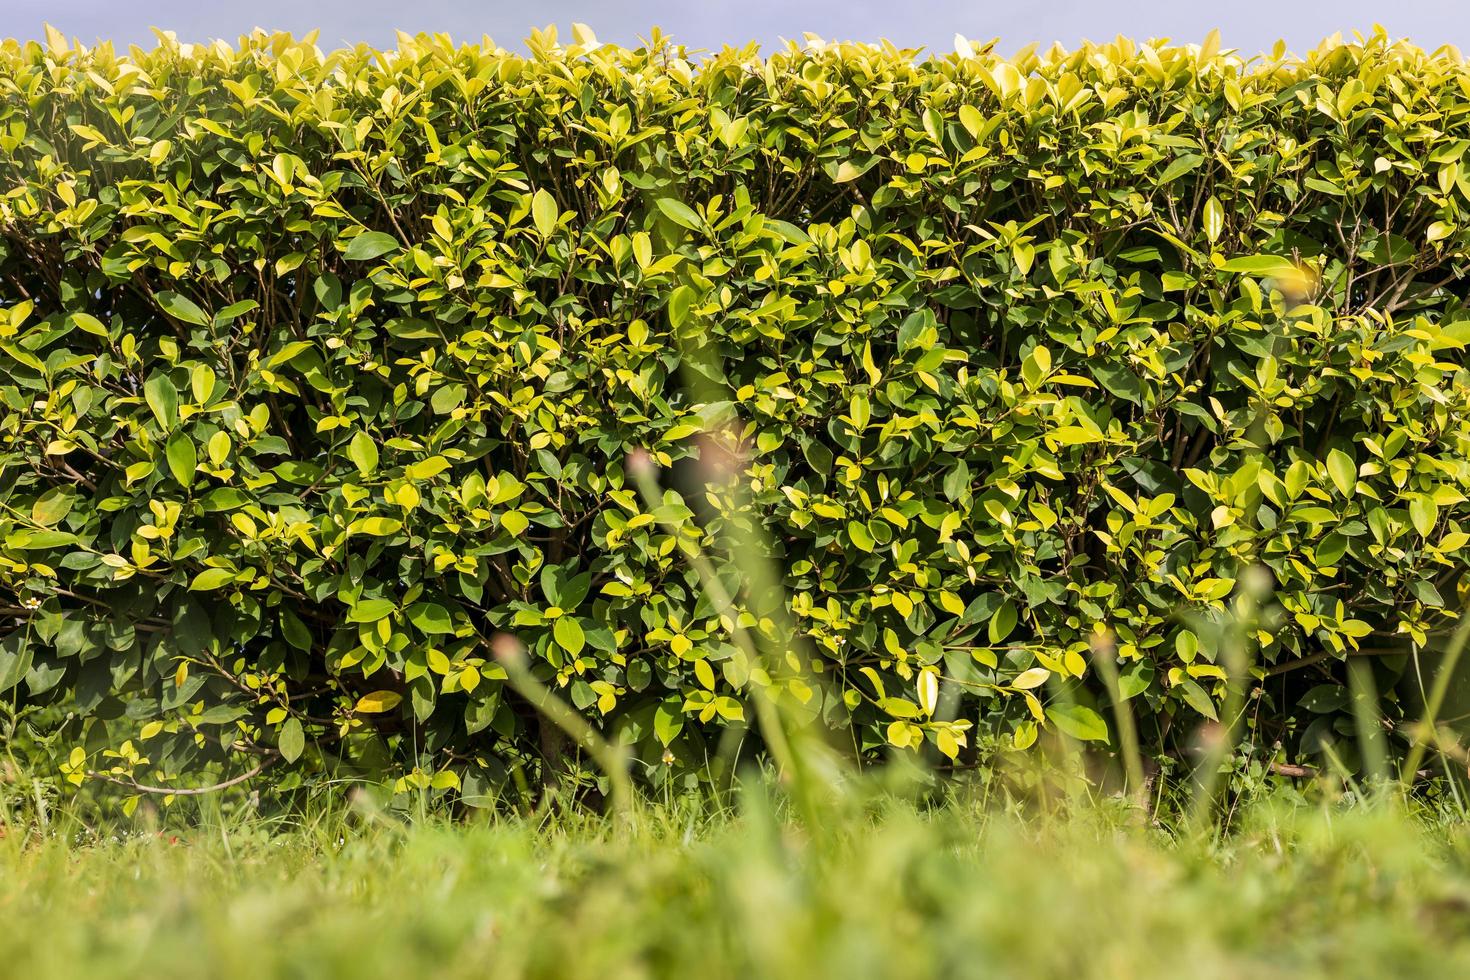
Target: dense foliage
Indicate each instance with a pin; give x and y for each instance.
(320, 369)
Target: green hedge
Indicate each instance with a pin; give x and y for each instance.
(320, 369)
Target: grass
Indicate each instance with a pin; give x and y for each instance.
(879, 888)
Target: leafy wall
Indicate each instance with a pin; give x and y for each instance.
(323, 369)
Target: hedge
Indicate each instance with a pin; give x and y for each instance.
(323, 369)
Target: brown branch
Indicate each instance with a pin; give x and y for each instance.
(1317, 658)
(196, 791)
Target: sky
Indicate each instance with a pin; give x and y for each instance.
(1249, 25)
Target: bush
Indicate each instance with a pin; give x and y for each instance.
(324, 368)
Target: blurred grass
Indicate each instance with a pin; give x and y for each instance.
(880, 888)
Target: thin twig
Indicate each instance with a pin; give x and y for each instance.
(196, 791)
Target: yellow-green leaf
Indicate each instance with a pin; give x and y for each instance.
(544, 212)
(378, 702)
(211, 578)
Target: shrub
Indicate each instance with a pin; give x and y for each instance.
(322, 368)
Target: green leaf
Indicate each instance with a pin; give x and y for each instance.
(956, 482)
(295, 631)
(478, 714)
(431, 618)
(569, 635)
(16, 657)
(426, 469)
(163, 399)
(861, 538)
(563, 587)
(292, 739)
(680, 300)
(299, 472)
(1002, 621)
(289, 352)
(1181, 166)
(182, 308)
(370, 245)
(1314, 515)
(39, 540)
(544, 212)
(680, 213)
(1074, 435)
(668, 721)
(1078, 721)
(90, 324)
(730, 709)
(574, 590)
(1135, 680)
(1325, 698)
(379, 527)
(371, 610)
(1033, 678)
(1119, 380)
(1196, 698)
(222, 499)
(1214, 219)
(363, 451)
(52, 506)
(447, 399)
(927, 688)
(1036, 367)
(847, 171)
(1343, 470)
(182, 458)
(1260, 265)
(211, 578)
(972, 119)
(1424, 513)
(201, 383)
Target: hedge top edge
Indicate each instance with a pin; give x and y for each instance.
(681, 62)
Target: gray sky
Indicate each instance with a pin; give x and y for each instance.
(1250, 25)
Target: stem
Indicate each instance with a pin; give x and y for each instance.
(196, 791)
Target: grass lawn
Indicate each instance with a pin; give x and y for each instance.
(875, 889)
